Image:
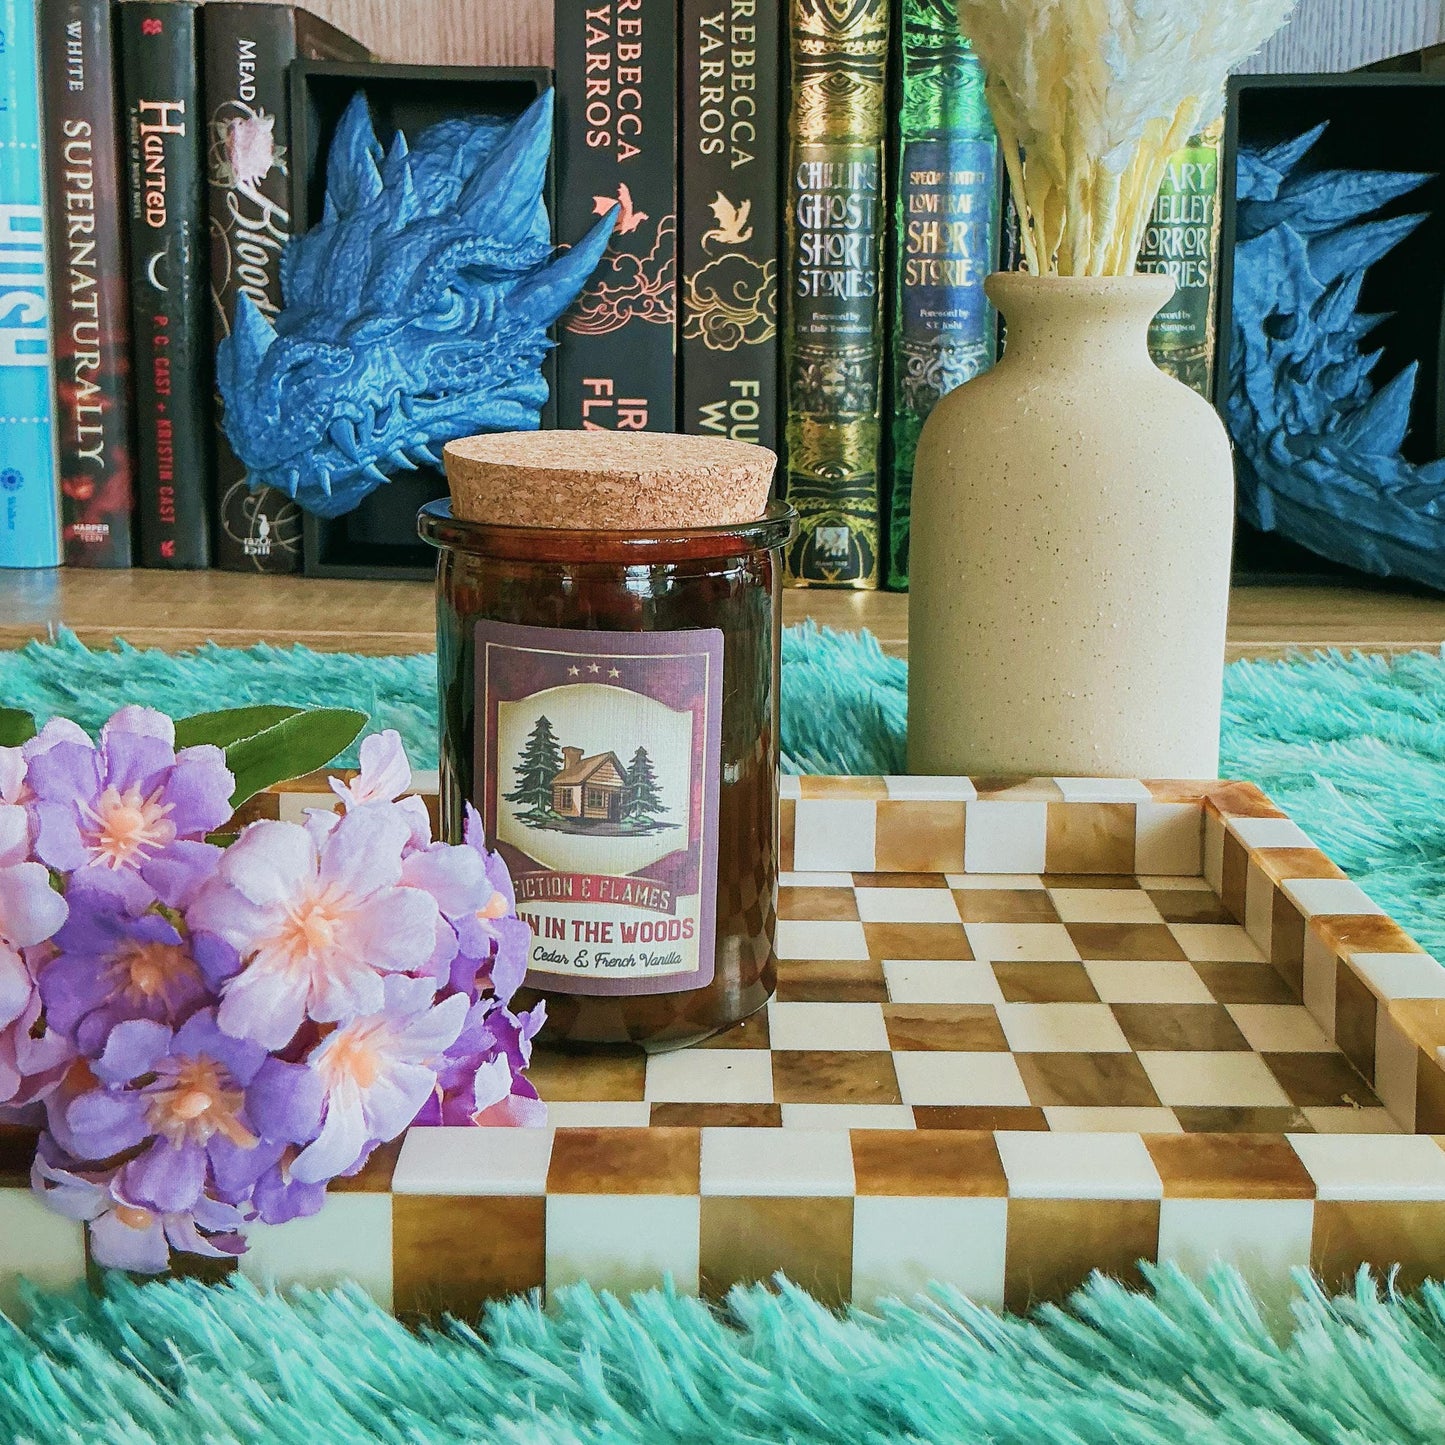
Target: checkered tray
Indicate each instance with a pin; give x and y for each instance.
(1022, 1030)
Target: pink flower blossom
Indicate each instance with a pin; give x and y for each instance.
(315, 927)
(383, 777)
(376, 1073)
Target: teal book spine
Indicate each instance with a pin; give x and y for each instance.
(29, 494)
(946, 206)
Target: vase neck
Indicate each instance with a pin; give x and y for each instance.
(1079, 320)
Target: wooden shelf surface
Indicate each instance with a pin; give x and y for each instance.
(175, 610)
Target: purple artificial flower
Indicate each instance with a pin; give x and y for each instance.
(14, 762)
(126, 1235)
(383, 777)
(30, 912)
(504, 1100)
(34, 1059)
(473, 889)
(315, 924)
(482, 1072)
(178, 1097)
(496, 922)
(131, 808)
(12, 777)
(215, 1035)
(371, 1076)
(112, 966)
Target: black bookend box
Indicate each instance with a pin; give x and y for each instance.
(378, 538)
(1377, 121)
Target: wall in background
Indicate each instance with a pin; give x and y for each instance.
(450, 32)
(1342, 34)
(1324, 34)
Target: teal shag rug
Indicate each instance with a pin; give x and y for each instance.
(182, 1363)
(1353, 748)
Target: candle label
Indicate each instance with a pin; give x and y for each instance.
(597, 762)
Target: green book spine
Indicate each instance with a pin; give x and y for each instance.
(946, 204)
(1182, 241)
(834, 331)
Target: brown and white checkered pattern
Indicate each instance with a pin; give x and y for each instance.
(1022, 1030)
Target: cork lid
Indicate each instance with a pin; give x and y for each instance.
(607, 481)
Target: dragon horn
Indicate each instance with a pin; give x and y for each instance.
(407, 206)
(506, 190)
(398, 158)
(545, 295)
(352, 177)
(251, 336)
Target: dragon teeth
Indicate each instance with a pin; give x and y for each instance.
(342, 432)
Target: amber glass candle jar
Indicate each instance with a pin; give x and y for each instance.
(609, 703)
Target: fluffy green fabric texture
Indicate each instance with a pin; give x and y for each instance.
(1352, 747)
(180, 1363)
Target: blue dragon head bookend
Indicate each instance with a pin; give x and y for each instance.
(415, 312)
(1317, 439)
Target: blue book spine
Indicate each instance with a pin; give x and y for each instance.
(29, 498)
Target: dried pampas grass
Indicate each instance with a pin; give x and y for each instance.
(1091, 98)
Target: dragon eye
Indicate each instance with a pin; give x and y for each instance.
(450, 310)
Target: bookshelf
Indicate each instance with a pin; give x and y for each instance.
(1323, 35)
(173, 610)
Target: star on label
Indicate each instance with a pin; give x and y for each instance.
(593, 667)
(574, 672)
(613, 672)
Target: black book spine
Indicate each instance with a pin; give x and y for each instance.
(247, 49)
(248, 145)
(617, 146)
(171, 341)
(730, 218)
(90, 316)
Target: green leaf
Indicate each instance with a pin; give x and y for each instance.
(296, 745)
(16, 727)
(229, 725)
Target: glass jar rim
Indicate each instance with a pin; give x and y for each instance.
(436, 525)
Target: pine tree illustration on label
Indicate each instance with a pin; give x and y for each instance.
(598, 757)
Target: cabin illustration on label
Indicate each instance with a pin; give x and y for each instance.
(565, 789)
(589, 787)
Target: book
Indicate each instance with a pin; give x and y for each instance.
(29, 505)
(617, 148)
(246, 49)
(730, 222)
(170, 340)
(833, 317)
(91, 321)
(1182, 242)
(946, 206)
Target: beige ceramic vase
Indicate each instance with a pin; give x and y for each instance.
(1073, 514)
